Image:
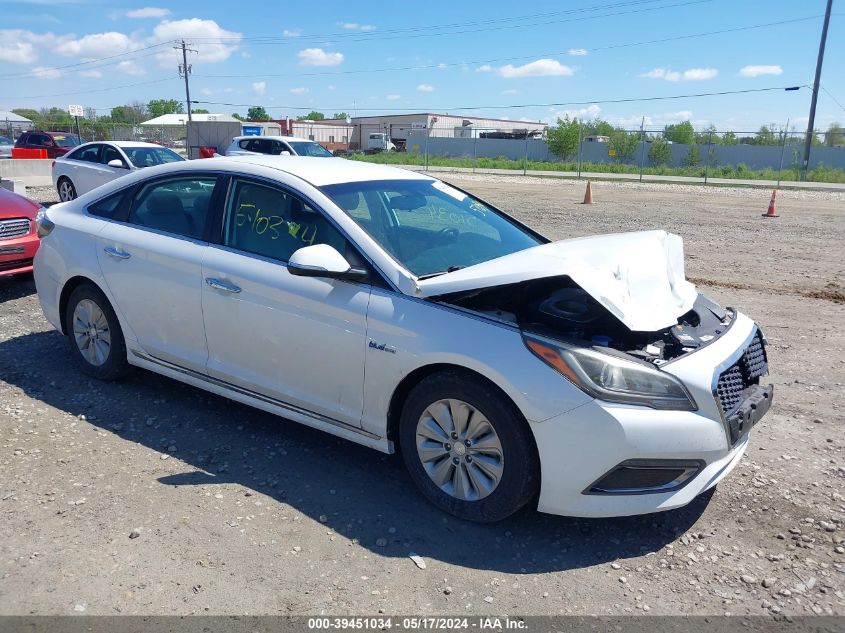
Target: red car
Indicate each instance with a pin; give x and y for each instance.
(18, 239)
(54, 143)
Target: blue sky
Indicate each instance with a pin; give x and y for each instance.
(344, 56)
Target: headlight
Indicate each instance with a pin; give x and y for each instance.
(43, 224)
(606, 377)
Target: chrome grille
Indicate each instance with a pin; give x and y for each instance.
(13, 228)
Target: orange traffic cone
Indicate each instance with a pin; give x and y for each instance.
(771, 212)
(588, 195)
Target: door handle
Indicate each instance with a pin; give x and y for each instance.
(219, 284)
(113, 252)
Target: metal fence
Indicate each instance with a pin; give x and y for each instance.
(643, 152)
(169, 136)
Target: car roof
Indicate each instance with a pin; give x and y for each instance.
(325, 171)
(132, 144)
(276, 138)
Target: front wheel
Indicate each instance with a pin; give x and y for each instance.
(468, 448)
(95, 335)
(67, 191)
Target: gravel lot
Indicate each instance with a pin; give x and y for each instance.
(150, 497)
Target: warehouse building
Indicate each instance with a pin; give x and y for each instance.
(401, 127)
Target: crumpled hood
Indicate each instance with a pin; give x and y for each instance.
(638, 277)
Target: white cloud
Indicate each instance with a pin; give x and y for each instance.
(291, 32)
(393, 97)
(539, 68)
(632, 122)
(756, 71)
(691, 74)
(95, 74)
(425, 88)
(590, 112)
(16, 52)
(131, 68)
(148, 12)
(44, 72)
(354, 26)
(319, 57)
(259, 87)
(486, 68)
(97, 45)
(217, 44)
(299, 91)
(577, 52)
(509, 91)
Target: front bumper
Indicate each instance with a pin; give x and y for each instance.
(581, 446)
(16, 254)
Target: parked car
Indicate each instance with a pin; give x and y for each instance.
(94, 164)
(55, 143)
(18, 237)
(6, 145)
(276, 146)
(392, 309)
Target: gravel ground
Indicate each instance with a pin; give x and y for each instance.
(150, 497)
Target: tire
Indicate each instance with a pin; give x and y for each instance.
(104, 355)
(66, 189)
(514, 457)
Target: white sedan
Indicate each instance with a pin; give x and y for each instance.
(585, 376)
(276, 146)
(94, 164)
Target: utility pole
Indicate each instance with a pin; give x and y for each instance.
(808, 141)
(184, 71)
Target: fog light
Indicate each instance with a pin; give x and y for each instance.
(646, 476)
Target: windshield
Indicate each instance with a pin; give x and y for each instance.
(428, 226)
(66, 140)
(149, 156)
(5, 141)
(304, 148)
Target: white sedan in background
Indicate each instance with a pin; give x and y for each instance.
(585, 376)
(94, 164)
(276, 146)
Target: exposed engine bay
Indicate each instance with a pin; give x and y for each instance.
(556, 307)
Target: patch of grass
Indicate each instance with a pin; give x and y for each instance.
(821, 173)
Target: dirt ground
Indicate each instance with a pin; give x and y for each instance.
(150, 497)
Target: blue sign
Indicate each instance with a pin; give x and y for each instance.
(252, 130)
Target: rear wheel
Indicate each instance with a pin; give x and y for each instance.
(468, 448)
(66, 189)
(95, 335)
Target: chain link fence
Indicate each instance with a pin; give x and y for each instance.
(169, 136)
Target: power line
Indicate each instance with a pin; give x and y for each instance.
(521, 57)
(524, 105)
(832, 97)
(92, 61)
(414, 32)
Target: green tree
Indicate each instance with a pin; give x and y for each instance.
(692, 158)
(835, 135)
(200, 111)
(130, 113)
(237, 116)
(311, 116)
(660, 152)
(729, 138)
(340, 115)
(681, 133)
(766, 135)
(257, 113)
(707, 136)
(158, 107)
(563, 138)
(625, 143)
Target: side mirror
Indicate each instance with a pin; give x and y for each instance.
(322, 260)
(117, 164)
(284, 152)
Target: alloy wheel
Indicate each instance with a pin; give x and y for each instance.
(459, 449)
(91, 332)
(66, 191)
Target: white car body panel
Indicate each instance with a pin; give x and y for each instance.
(331, 353)
(638, 277)
(297, 339)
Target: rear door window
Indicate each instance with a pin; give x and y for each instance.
(88, 154)
(180, 206)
